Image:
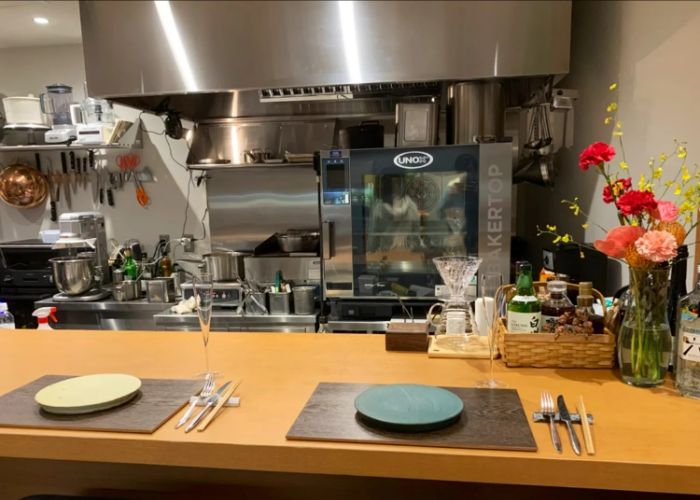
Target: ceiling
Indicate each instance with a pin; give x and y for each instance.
(17, 27)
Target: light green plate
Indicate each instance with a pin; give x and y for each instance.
(409, 407)
(88, 393)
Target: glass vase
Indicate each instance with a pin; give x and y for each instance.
(644, 341)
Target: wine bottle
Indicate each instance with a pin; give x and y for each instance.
(524, 310)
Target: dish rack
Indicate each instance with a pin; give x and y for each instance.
(551, 350)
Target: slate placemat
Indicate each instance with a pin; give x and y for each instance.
(157, 401)
(492, 419)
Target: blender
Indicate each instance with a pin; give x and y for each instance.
(56, 102)
(455, 332)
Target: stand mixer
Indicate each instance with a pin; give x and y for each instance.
(454, 330)
(80, 275)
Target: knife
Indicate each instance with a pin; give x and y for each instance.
(565, 417)
(211, 401)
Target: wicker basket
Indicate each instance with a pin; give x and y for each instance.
(549, 350)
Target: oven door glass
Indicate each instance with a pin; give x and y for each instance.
(403, 217)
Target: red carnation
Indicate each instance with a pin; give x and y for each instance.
(595, 154)
(621, 186)
(635, 202)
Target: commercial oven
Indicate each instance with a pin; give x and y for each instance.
(386, 213)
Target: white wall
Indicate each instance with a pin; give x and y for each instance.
(29, 69)
(651, 49)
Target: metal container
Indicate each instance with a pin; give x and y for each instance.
(255, 304)
(476, 112)
(304, 299)
(73, 275)
(160, 290)
(296, 241)
(127, 290)
(416, 124)
(225, 266)
(279, 302)
(117, 275)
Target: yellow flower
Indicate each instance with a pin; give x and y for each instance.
(624, 165)
(658, 172)
(557, 239)
(611, 107)
(642, 182)
(617, 133)
(613, 86)
(618, 124)
(585, 226)
(678, 190)
(688, 219)
(681, 152)
(551, 228)
(685, 173)
(566, 238)
(651, 161)
(634, 222)
(608, 120)
(663, 157)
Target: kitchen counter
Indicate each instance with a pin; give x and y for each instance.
(646, 439)
(140, 305)
(106, 314)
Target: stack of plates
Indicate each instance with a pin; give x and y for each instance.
(409, 407)
(87, 394)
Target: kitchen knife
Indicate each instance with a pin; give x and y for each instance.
(211, 401)
(565, 417)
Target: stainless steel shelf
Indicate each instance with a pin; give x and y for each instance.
(227, 166)
(61, 147)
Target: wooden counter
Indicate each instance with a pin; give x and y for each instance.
(647, 440)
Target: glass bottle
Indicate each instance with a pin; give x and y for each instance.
(585, 300)
(166, 266)
(7, 321)
(679, 273)
(524, 310)
(688, 341)
(555, 305)
(130, 268)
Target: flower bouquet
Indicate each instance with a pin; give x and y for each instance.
(650, 231)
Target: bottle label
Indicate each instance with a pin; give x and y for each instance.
(690, 334)
(549, 320)
(524, 322)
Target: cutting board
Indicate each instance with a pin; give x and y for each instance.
(157, 401)
(492, 419)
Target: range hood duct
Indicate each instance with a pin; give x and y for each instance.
(138, 49)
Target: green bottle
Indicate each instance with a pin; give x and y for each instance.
(524, 310)
(130, 268)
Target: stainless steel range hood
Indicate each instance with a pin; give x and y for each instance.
(136, 49)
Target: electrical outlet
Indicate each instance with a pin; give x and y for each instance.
(188, 243)
(164, 239)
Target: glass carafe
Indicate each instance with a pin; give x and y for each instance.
(56, 103)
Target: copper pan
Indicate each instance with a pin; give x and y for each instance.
(22, 186)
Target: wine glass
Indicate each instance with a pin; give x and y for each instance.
(204, 295)
(490, 304)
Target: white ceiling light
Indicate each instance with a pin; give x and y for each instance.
(41, 20)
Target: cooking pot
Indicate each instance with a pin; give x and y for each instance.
(74, 275)
(298, 241)
(225, 266)
(22, 186)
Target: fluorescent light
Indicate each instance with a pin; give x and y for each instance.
(172, 34)
(41, 20)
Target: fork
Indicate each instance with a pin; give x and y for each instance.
(547, 405)
(206, 391)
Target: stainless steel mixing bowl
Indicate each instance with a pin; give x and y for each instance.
(73, 275)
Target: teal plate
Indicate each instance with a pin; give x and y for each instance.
(408, 407)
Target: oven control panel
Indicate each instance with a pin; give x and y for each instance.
(225, 294)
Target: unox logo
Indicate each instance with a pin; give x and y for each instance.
(413, 160)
